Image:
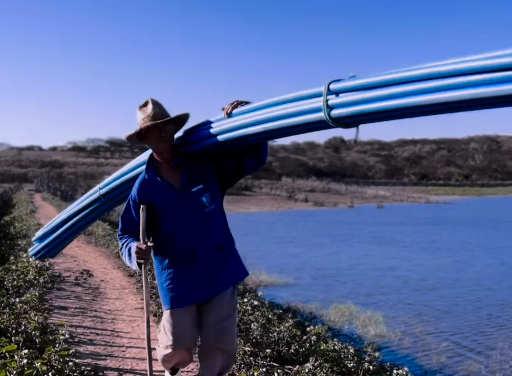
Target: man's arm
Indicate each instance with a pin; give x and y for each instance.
(236, 165)
(129, 230)
(240, 163)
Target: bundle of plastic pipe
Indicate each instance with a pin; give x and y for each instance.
(468, 84)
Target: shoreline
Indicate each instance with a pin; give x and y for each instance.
(265, 203)
(256, 203)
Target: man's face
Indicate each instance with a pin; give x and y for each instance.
(160, 138)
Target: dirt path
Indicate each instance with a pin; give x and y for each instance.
(101, 307)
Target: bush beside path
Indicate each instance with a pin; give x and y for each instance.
(100, 305)
(30, 342)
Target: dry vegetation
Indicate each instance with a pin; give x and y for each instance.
(321, 174)
(471, 161)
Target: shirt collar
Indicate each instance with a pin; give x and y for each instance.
(150, 169)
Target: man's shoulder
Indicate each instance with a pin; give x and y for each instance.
(199, 163)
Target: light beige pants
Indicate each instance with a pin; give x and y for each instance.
(213, 322)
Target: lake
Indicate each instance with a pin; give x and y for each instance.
(439, 274)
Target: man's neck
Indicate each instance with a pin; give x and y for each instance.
(166, 159)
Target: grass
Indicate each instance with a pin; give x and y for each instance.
(303, 190)
(366, 323)
(29, 343)
(55, 201)
(468, 191)
(260, 279)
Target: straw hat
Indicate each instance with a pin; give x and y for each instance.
(151, 113)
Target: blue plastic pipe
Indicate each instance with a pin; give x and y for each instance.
(468, 84)
(381, 80)
(346, 100)
(485, 56)
(57, 240)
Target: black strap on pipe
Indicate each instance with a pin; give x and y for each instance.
(327, 111)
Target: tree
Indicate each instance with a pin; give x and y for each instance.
(32, 148)
(78, 149)
(116, 147)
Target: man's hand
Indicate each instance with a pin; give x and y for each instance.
(143, 252)
(232, 106)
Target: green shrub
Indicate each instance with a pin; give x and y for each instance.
(29, 344)
(288, 340)
(260, 279)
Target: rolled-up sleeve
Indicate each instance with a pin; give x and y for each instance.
(129, 230)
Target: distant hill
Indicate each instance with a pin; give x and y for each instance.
(89, 142)
(111, 147)
(4, 146)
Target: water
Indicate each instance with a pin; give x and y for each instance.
(439, 274)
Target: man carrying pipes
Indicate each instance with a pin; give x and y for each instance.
(197, 265)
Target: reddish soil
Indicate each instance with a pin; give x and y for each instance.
(101, 307)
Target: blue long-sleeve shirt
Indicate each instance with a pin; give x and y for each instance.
(194, 252)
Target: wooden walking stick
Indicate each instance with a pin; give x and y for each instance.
(145, 285)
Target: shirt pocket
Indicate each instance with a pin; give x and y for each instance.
(222, 253)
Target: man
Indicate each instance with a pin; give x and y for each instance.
(197, 265)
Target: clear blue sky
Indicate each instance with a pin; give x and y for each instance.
(77, 69)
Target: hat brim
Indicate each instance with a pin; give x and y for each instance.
(177, 121)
